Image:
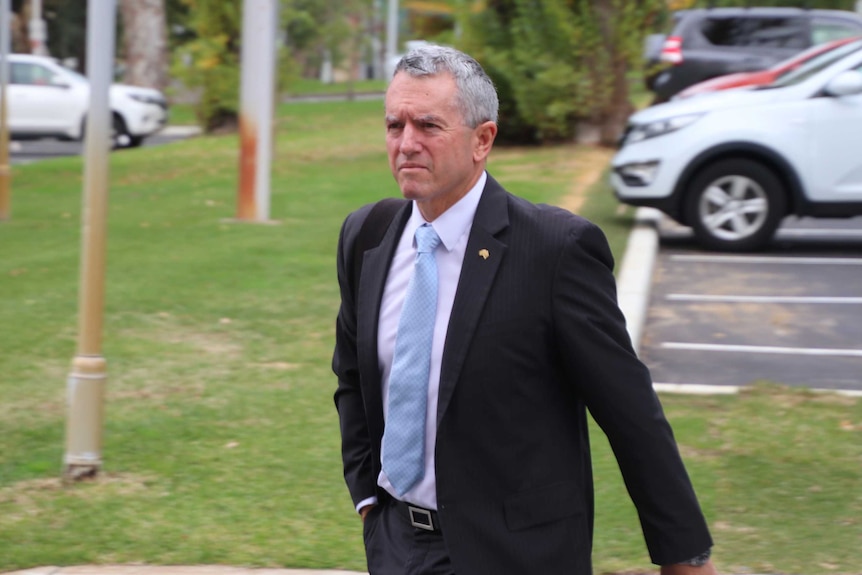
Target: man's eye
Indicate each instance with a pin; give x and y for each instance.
(430, 126)
(393, 127)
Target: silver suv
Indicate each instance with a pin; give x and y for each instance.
(732, 164)
(710, 42)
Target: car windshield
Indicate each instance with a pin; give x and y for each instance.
(813, 66)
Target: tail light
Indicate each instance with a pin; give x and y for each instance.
(672, 50)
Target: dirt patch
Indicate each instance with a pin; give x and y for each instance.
(590, 164)
(581, 165)
(279, 365)
(26, 497)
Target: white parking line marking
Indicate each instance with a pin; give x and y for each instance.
(766, 260)
(804, 232)
(762, 299)
(762, 349)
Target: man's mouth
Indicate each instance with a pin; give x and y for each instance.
(411, 166)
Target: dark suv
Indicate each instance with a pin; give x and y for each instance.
(709, 42)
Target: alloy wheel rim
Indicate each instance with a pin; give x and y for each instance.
(733, 208)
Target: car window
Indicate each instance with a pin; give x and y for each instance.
(756, 32)
(75, 76)
(814, 65)
(823, 30)
(32, 75)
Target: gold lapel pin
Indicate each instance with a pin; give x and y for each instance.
(484, 254)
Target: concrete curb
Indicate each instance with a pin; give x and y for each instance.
(180, 131)
(635, 277)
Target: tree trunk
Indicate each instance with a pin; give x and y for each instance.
(616, 111)
(20, 42)
(145, 44)
(619, 107)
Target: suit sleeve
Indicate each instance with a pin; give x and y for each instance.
(356, 449)
(617, 389)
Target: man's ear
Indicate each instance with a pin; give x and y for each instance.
(484, 137)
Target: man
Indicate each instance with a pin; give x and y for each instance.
(490, 473)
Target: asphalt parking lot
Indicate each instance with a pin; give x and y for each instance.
(790, 314)
(28, 151)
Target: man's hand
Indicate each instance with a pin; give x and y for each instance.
(680, 569)
(364, 511)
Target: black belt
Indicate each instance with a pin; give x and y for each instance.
(419, 517)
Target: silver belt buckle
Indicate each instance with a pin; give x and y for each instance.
(420, 518)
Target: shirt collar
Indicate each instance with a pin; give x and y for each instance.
(454, 222)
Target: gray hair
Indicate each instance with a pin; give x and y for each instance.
(476, 96)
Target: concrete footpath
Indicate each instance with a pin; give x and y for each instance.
(173, 570)
(633, 283)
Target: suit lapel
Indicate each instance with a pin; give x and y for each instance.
(375, 268)
(477, 277)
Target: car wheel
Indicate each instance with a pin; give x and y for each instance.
(120, 137)
(735, 205)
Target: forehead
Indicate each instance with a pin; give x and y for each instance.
(421, 95)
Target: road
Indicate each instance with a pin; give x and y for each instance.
(34, 150)
(790, 314)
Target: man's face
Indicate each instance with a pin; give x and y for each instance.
(433, 155)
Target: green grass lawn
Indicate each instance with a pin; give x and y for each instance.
(182, 114)
(221, 438)
(305, 87)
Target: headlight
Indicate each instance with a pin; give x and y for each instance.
(638, 132)
(146, 99)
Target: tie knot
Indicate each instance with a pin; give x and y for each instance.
(426, 239)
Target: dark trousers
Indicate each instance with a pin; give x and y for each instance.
(395, 547)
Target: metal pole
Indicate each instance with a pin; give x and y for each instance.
(37, 29)
(376, 44)
(391, 38)
(86, 384)
(5, 171)
(257, 105)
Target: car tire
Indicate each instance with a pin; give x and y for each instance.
(120, 137)
(735, 205)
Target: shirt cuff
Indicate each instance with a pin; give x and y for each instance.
(700, 560)
(370, 501)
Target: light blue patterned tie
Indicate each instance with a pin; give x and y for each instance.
(404, 435)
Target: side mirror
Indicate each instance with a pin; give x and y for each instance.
(847, 83)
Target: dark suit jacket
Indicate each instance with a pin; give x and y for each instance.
(535, 338)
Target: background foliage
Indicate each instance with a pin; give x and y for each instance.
(210, 61)
(557, 62)
(563, 67)
(312, 31)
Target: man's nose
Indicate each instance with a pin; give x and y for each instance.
(410, 143)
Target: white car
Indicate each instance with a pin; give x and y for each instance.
(731, 165)
(47, 100)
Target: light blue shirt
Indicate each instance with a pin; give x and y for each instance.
(453, 226)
